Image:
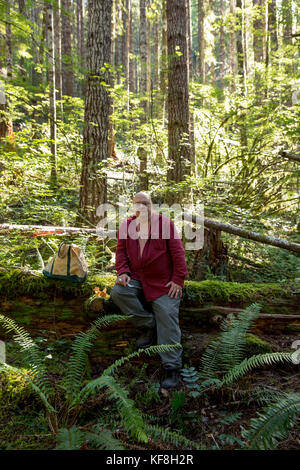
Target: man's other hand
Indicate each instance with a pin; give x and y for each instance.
(123, 280)
(175, 290)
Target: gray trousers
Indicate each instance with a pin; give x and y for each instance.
(164, 316)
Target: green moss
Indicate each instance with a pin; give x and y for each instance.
(256, 345)
(14, 390)
(16, 283)
(234, 292)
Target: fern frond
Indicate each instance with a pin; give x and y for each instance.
(229, 348)
(274, 423)
(103, 439)
(80, 349)
(70, 439)
(33, 354)
(262, 395)
(255, 361)
(160, 348)
(131, 416)
(29, 379)
(171, 437)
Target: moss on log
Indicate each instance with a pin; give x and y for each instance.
(56, 307)
(17, 282)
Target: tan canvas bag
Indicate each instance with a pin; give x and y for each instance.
(68, 264)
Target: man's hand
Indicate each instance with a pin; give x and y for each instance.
(123, 280)
(175, 290)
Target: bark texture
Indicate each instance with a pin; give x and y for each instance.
(178, 93)
(93, 188)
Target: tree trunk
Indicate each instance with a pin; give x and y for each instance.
(132, 88)
(125, 43)
(52, 97)
(6, 124)
(34, 17)
(148, 4)
(272, 39)
(93, 190)
(178, 94)
(118, 41)
(42, 44)
(58, 58)
(22, 11)
(233, 53)
(201, 40)
(272, 25)
(142, 153)
(211, 259)
(164, 61)
(190, 77)
(4, 121)
(68, 74)
(80, 42)
(241, 69)
(222, 45)
(287, 20)
(156, 54)
(258, 46)
(208, 223)
(143, 51)
(8, 43)
(239, 46)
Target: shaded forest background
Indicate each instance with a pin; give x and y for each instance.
(194, 101)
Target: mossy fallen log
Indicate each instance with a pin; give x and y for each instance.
(55, 307)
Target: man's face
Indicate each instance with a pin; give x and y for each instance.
(142, 206)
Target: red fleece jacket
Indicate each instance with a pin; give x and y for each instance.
(163, 257)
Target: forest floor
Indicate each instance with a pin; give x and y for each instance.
(214, 420)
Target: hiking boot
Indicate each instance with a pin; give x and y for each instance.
(147, 338)
(171, 379)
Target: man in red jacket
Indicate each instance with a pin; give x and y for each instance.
(151, 267)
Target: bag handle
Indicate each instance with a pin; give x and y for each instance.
(68, 262)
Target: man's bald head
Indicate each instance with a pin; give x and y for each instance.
(141, 196)
(142, 199)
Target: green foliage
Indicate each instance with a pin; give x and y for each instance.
(177, 401)
(103, 439)
(255, 361)
(79, 357)
(229, 348)
(171, 437)
(273, 423)
(14, 389)
(98, 438)
(190, 376)
(70, 439)
(131, 417)
(256, 345)
(33, 356)
(76, 391)
(224, 356)
(160, 348)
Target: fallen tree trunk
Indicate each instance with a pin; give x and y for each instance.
(240, 232)
(45, 229)
(291, 156)
(208, 223)
(63, 308)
